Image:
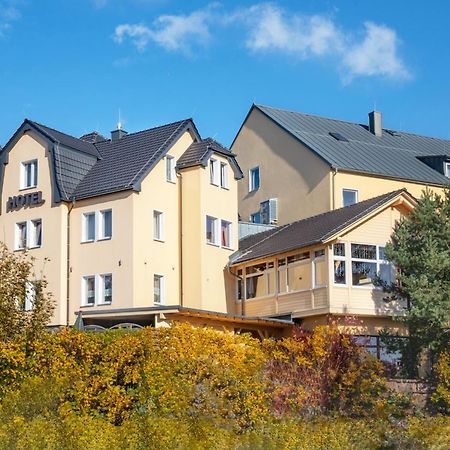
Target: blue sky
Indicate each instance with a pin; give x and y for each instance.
(73, 64)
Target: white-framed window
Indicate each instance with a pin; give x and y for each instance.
(259, 281)
(224, 175)
(349, 197)
(106, 288)
(226, 233)
(255, 217)
(89, 290)
(28, 234)
(35, 233)
(214, 172)
(88, 227)
(158, 225)
(21, 236)
(170, 169)
(105, 231)
(97, 225)
(29, 174)
(339, 263)
(254, 181)
(97, 289)
(294, 273)
(30, 295)
(212, 235)
(447, 169)
(158, 289)
(319, 268)
(364, 262)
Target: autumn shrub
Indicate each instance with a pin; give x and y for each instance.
(322, 372)
(441, 397)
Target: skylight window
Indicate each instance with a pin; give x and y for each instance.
(393, 133)
(338, 136)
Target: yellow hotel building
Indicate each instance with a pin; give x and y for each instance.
(136, 229)
(143, 228)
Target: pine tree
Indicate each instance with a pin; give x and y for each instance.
(420, 250)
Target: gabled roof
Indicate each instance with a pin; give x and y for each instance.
(92, 165)
(199, 152)
(393, 155)
(127, 160)
(66, 139)
(310, 231)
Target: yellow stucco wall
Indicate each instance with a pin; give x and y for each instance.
(288, 171)
(371, 186)
(29, 147)
(204, 284)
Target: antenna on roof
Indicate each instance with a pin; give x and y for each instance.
(119, 123)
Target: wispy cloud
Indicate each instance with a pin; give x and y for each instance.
(169, 31)
(9, 13)
(267, 28)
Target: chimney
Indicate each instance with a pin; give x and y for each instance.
(375, 126)
(118, 133)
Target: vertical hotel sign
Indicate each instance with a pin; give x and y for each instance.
(22, 201)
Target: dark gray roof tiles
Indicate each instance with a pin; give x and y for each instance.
(66, 139)
(310, 231)
(125, 161)
(93, 137)
(387, 155)
(198, 152)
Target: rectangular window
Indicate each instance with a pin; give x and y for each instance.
(224, 175)
(36, 233)
(255, 218)
(240, 285)
(106, 280)
(211, 230)
(21, 235)
(89, 290)
(320, 268)
(253, 179)
(225, 232)
(339, 263)
(364, 264)
(88, 227)
(158, 289)
(106, 224)
(158, 225)
(29, 174)
(214, 173)
(30, 295)
(447, 169)
(349, 197)
(170, 169)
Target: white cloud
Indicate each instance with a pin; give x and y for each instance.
(271, 29)
(267, 28)
(9, 13)
(376, 54)
(170, 31)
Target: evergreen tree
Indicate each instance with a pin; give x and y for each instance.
(420, 250)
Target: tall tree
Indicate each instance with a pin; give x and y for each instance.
(25, 306)
(420, 250)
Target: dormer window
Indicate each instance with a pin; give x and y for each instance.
(29, 174)
(447, 169)
(214, 172)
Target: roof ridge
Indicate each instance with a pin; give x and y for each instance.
(351, 123)
(155, 128)
(163, 145)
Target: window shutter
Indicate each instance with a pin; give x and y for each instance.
(269, 211)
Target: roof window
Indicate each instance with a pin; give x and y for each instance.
(338, 136)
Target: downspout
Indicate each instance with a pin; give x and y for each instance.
(180, 214)
(243, 296)
(72, 204)
(333, 187)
